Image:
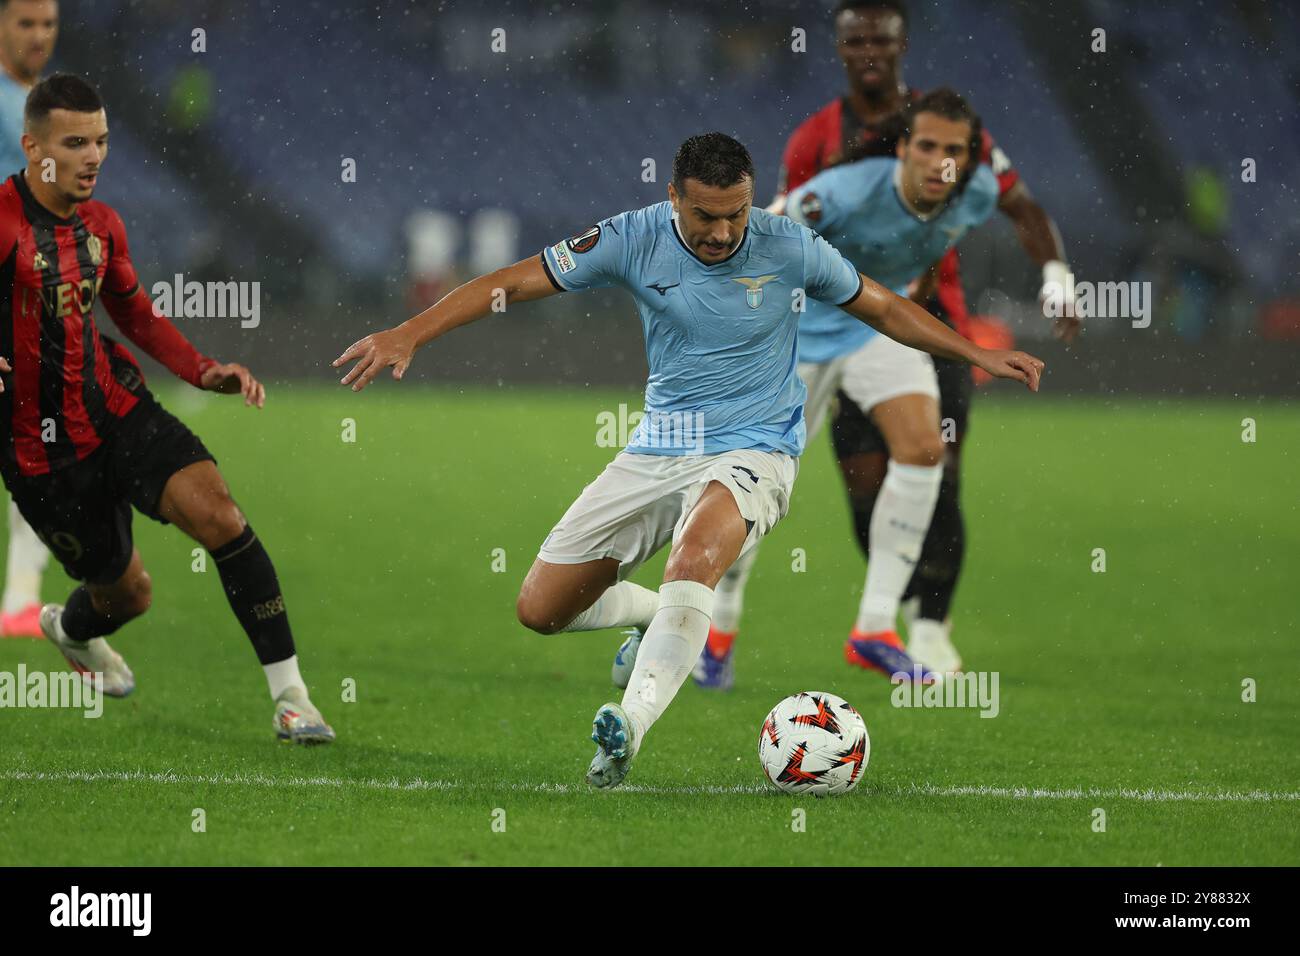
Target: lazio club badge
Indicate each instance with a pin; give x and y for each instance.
(754, 289)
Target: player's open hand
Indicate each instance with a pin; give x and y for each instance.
(1020, 366)
(375, 353)
(4, 367)
(229, 379)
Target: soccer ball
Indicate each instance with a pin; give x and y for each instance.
(814, 743)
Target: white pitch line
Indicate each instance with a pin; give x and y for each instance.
(418, 784)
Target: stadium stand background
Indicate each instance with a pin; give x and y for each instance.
(227, 164)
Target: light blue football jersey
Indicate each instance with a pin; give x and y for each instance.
(857, 208)
(720, 339)
(13, 99)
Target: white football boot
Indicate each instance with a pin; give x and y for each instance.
(615, 737)
(929, 644)
(625, 659)
(298, 720)
(88, 658)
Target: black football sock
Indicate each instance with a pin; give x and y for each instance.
(253, 591)
(862, 507)
(81, 621)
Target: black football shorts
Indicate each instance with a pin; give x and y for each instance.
(83, 511)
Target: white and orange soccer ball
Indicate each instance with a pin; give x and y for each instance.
(814, 743)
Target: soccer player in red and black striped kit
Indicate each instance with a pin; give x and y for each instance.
(83, 438)
(871, 38)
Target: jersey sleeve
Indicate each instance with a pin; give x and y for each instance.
(133, 311)
(991, 155)
(801, 160)
(828, 276)
(593, 259)
(982, 194)
(11, 216)
(816, 204)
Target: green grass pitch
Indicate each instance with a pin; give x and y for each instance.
(1120, 690)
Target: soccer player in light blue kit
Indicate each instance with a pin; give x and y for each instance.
(718, 286)
(893, 218)
(28, 29)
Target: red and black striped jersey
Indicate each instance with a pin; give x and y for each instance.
(835, 134)
(62, 398)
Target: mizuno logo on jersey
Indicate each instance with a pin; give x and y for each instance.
(662, 289)
(754, 289)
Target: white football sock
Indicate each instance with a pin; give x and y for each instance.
(27, 560)
(729, 596)
(898, 525)
(669, 650)
(623, 605)
(282, 675)
(926, 631)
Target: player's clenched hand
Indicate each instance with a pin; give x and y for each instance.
(1066, 328)
(375, 353)
(4, 367)
(229, 379)
(1018, 365)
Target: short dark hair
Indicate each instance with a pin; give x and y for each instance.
(951, 105)
(715, 159)
(60, 91)
(893, 6)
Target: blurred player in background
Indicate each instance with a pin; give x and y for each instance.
(28, 29)
(871, 38)
(893, 219)
(714, 459)
(83, 440)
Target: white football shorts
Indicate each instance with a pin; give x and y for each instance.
(640, 502)
(880, 370)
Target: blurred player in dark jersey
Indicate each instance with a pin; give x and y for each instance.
(871, 39)
(83, 440)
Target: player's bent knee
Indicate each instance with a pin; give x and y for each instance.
(922, 450)
(128, 598)
(140, 598)
(695, 564)
(222, 523)
(536, 615)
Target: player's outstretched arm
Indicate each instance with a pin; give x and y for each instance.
(160, 339)
(1042, 243)
(521, 282)
(905, 321)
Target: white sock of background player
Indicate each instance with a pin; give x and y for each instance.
(668, 652)
(729, 595)
(27, 560)
(898, 525)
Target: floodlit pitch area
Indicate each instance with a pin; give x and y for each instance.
(1120, 691)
